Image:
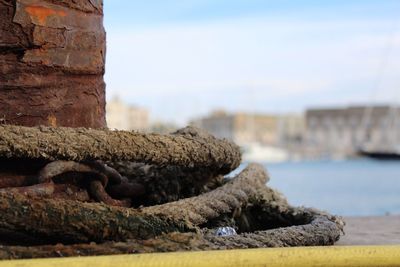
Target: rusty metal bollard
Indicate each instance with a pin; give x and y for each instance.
(52, 56)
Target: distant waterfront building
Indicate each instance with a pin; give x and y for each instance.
(241, 128)
(291, 128)
(125, 117)
(343, 131)
(247, 128)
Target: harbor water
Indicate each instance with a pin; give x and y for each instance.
(349, 188)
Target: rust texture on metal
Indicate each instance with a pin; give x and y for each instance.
(52, 55)
(73, 180)
(58, 167)
(51, 190)
(100, 194)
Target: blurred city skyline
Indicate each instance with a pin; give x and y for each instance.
(183, 59)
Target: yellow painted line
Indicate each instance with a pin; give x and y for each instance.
(267, 257)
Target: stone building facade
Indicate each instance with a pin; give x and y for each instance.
(124, 117)
(246, 128)
(344, 131)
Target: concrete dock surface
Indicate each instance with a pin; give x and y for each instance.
(379, 230)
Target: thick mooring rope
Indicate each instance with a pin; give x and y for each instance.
(189, 148)
(45, 214)
(235, 194)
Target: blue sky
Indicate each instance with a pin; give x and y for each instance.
(182, 59)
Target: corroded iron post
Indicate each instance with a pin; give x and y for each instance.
(52, 55)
